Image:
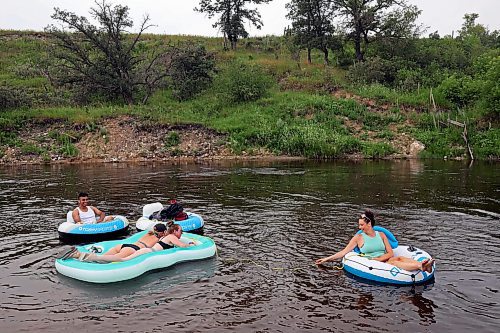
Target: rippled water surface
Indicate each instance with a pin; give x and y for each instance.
(269, 221)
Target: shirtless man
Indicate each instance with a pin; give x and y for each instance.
(85, 214)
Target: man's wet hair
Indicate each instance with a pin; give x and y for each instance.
(82, 195)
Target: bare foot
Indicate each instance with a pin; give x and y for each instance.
(427, 265)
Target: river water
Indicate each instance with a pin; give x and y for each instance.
(270, 221)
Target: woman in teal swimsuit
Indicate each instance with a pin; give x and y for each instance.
(375, 245)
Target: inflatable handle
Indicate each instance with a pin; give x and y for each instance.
(390, 237)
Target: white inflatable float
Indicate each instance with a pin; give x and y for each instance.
(362, 267)
(193, 224)
(125, 270)
(71, 232)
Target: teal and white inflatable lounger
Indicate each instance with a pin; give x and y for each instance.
(125, 270)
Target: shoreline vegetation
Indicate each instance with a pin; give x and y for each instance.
(261, 100)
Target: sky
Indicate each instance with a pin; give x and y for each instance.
(178, 17)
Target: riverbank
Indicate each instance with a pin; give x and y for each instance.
(307, 111)
(126, 138)
(119, 139)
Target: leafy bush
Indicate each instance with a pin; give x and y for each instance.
(408, 79)
(242, 82)
(370, 71)
(13, 98)
(461, 90)
(8, 138)
(438, 144)
(491, 88)
(486, 144)
(172, 139)
(191, 71)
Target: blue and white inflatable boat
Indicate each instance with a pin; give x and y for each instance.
(193, 224)
(73, 233)
(362, 267)
(125, 270)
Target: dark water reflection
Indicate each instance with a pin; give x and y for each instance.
(269, 220)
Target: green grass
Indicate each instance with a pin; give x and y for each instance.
(377, 149)
(298, 116)
(396, 97)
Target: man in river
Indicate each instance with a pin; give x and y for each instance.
(85, 214)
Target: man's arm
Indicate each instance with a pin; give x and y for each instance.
(98, 213)
(76, 216)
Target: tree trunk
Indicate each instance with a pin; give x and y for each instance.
(225, 42)
(325, 57)
(309, 56)
(357, 37)
(357, 48)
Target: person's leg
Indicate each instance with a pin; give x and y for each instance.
(125, 252)
(137, 253)
(405, 263)
(115, 249)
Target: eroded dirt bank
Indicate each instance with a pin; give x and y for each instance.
(126, 138)
(119, 139)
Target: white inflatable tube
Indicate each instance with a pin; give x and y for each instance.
(377, 271)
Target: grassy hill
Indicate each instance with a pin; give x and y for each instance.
(310, 110)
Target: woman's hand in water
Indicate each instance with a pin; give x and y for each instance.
(321, 261)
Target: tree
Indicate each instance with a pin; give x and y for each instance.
(311, 24)
(231, 14)
(104, 60)
(367, 20)
(191, 69)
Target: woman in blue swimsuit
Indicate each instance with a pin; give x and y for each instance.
(375, 245)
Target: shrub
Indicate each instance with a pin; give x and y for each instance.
(191, 71)
(461, 90)
(242, 82)
(491, 91)
(486, 144)
(13, 98)
(370, 71)
(447, 142)
(172, 139)
(408, 79)
(8, 138)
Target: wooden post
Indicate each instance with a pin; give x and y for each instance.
(464, 136)
(432, 100)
